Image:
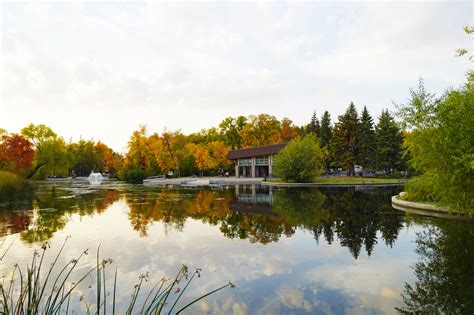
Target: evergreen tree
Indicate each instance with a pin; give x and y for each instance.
(314, 126)
(346, 139)
(389, 143)
(326, 129)
(368, 145)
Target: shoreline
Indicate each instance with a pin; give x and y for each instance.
(427, 209)
(342, 184)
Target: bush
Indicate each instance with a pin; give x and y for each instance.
(300, 161)
(136, 175)
(442, 149)
(13, 188)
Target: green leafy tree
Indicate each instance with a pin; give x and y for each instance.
(230, 129)
(420, 112)
(368, 145)
(51, 157)
(389, 143)
(346, 139)
(443, 150)
(300, 161)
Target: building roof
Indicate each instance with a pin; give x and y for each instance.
(256, 151)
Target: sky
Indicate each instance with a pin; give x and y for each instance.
(98, 70)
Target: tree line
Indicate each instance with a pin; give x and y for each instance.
(38, 152)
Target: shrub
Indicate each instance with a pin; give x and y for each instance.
(300, 161)
(136, 175)
(14, 188)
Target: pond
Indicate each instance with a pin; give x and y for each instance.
(287, 250)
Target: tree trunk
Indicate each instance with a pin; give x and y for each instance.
(33, 172)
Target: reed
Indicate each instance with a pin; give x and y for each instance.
(49, 291)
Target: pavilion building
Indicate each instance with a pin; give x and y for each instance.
(255, 162)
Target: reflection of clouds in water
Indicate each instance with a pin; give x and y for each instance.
(294, 274)
(292, 297)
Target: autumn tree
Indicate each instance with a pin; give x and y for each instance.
(261, 130)
(138, 150)
(346, 139)
(218, 152)
(111, 160)
(16, 154)
(287, 131)
(203, 159)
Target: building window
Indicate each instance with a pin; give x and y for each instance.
(262, 160)
(245, 162)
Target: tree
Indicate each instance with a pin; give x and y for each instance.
(368, 145)
(443, 150)
(314, 126)
(300, 161)
(85, 158)
(51, 156)
(16, 154)
(420, 112)
(261, 130)
(202, 159)
(111, 160)
(218, 152)
(139, 150)
(346, 139)
(287, 132)
(326, 129)
(389, 143)
(230, 129)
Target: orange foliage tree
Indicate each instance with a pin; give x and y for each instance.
(16, 154)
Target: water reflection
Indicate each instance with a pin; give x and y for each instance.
(258, 214)
(445, 279)
(319, 227)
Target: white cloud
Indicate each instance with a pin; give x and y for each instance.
(189, 65)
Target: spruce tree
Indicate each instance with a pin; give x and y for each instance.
(367, 155)
(346, 139)
(326, 129)
(389, 143)
(314, 126)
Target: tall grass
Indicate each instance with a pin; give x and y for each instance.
(13, 187)
(44, 289)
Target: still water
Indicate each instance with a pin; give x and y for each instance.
(287, 250)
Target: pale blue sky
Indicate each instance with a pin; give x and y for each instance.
(101, 69)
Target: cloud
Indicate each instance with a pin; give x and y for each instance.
(189, 65)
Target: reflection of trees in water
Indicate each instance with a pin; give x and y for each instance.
(55, 205)
(172, 207)
(445, 279)
(256, 214)
(354, 217)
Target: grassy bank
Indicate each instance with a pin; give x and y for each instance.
(13, 187)
(348, 180)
